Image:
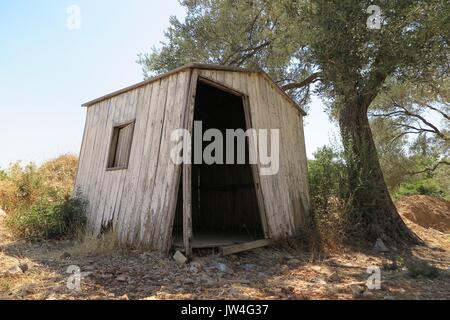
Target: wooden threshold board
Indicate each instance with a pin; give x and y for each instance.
(226, 243)
(236, 248)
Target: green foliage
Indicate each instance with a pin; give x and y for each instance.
(292, 39)
(396, 264)
(47, 220)
(422, 269)
(328, 190)
(326, 178)
(38, 200)
(428, 187)
(411, 126)
(399, 164)
(391, 150)
(415, 269)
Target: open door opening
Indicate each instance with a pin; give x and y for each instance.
(225, 208)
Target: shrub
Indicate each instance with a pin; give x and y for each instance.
(47, 220)
(328, 190)
(396, 264)
(326, 179)
(420, 187)
(9, 196)
(39, 201)
(59, 174)
(422, 269)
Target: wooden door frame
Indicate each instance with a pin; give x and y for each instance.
(187, 168)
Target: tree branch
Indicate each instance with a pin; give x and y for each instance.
(402, 134)
(418, 129)
(446, 116)
(431, 169)
(434, 129)
(246, 53)
(295, 85)
(386, 115)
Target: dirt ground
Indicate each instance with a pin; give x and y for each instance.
(426, 211)
(39, 271)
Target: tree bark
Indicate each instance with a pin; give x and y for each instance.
(372, 213)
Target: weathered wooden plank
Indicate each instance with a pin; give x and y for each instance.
(128, 113)
(236, 248)
(282, 177)
(81, 154)
(279, 181)
(112, 180)
(148, 166)
(136, 162)
(111, 213)
(102, 177)
(90, 152)
(187, 168)
(287, 119)
(257, 111)
(168, 173)
(101, 189)
(108, 179)
(182, 99)
(83, 161)
(148, 225)
(150, 142)
(265, 114)
(120, 115)
(93, 173)
(163, 171)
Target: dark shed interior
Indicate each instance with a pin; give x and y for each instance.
(224, 203)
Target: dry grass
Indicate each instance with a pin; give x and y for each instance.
(106, 244)
(39, 201)
(21, 186)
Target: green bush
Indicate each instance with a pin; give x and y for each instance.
(47, 220)
(328, 190)
(427, 187)
(326, 179)
(38, 200)
(396, 264)
(422, 269)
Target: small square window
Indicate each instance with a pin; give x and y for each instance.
(120, 148)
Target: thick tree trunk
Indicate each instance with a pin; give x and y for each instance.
(372, 214)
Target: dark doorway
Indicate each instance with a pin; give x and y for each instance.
(224, 203)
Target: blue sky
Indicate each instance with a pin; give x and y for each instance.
(47, 70)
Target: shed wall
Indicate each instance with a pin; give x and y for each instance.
(136, 201)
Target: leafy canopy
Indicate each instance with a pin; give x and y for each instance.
(299, 42)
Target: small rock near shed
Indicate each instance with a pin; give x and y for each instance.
(379, 246)
(179, 257)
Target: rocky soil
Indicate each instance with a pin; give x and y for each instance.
(39, 271)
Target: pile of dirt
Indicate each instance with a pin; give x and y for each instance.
(426, 211)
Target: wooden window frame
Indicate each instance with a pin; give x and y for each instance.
(114, 143)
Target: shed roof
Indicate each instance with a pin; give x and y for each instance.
(194, 66)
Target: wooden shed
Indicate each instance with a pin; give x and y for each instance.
(131, 185)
